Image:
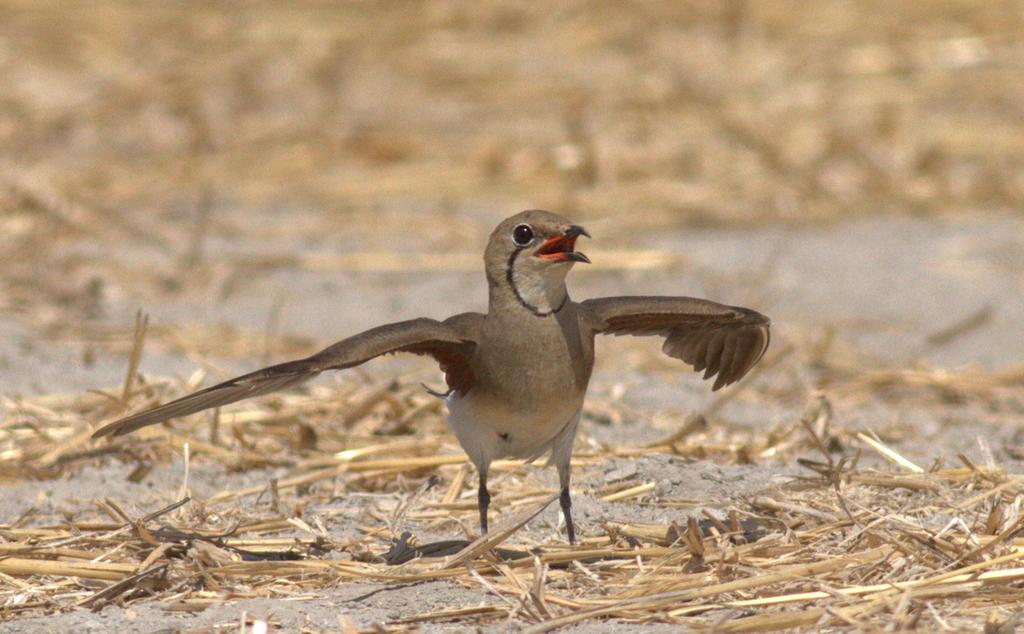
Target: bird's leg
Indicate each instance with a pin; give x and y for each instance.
(433, 392)
(483, 500)
(566, 501)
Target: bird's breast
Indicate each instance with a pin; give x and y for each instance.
(531, 376)
(533, 363)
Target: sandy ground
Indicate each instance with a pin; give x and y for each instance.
(809, 280)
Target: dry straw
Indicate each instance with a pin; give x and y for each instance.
(844, 546)
(896, 547)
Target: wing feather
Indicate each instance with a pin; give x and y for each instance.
(713, 338)
(450, 342)
(713, 356)
(728, 354)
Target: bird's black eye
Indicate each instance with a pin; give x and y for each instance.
(522, 235)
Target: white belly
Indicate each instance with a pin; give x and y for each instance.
(487, 432)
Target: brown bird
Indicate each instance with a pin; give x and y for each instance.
(517, 375)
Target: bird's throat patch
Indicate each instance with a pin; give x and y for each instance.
(532, 289)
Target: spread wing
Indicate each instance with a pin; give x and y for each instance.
(713, 338)
(450, 342)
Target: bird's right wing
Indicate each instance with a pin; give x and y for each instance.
(450, 342)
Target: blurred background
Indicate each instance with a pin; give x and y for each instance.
(264, 178)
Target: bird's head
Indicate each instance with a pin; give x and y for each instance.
(531, 252)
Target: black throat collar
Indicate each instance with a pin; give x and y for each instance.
(515, 290)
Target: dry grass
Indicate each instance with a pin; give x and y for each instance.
(135, 144)
(117, 118)
(846, 545)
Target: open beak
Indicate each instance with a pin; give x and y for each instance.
(561, 248)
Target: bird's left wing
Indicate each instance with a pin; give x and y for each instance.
(711, 337)
(450, 342)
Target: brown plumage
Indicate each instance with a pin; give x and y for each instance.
(517, 376)
(713, 338)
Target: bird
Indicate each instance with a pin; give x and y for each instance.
(516, 375)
